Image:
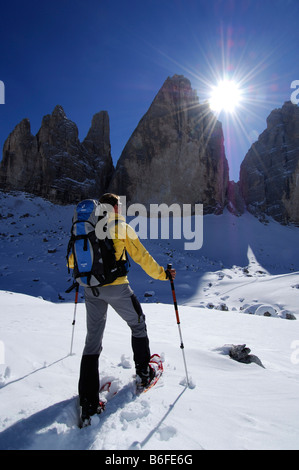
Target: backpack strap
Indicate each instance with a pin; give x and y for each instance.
(75, 284)
(123, 264)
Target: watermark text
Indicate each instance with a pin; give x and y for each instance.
(2, 92)
(159, 221)
(295, 94)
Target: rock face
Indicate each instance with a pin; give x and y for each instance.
(269, 174)
(54, 164)
(236, 204)
(176, 153)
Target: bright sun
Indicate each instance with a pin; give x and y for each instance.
(226, 96)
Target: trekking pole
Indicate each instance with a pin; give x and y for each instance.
(74, 319)
(169, 267)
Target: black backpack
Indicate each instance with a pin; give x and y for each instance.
(93, 261)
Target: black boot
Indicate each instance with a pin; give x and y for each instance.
(142, 357)
(89, 382)
(145, 376)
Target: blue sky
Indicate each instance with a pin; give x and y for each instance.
(92, 55)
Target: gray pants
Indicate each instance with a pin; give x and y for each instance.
(126, 304)
(123, 301)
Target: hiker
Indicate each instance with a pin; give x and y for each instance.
(121, 297)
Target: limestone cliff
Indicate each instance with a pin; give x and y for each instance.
(176, 153)
(269, 174)
(54, 164)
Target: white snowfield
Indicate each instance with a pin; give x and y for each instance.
(228, 405)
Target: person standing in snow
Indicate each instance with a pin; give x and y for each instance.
(121, 297)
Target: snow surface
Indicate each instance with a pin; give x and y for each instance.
(244, 269)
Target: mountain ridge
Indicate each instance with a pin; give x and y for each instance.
(176, 154)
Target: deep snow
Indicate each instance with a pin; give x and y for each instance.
(244, 269)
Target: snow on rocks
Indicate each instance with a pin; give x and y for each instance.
(266, 311)
(287, 315)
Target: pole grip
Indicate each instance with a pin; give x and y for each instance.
(169, 267)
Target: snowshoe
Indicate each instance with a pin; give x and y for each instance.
(147, 378)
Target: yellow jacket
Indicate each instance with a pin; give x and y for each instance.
(125, 238)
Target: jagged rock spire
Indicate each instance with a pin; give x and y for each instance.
(54, 164)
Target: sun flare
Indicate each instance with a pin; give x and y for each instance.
(226, 96)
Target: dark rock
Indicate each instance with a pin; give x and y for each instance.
(242, 354)
(269, 174)
(236, 203)
(54, 164)
(176, 153)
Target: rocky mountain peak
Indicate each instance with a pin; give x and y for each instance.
(54, 164)
(269, 173)
(175, 154)
(176, 89)
(58, 132)
(286, 116)
(98, 136)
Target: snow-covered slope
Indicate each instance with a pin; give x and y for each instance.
(236, 253)
(244, 269)
(231, 405)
